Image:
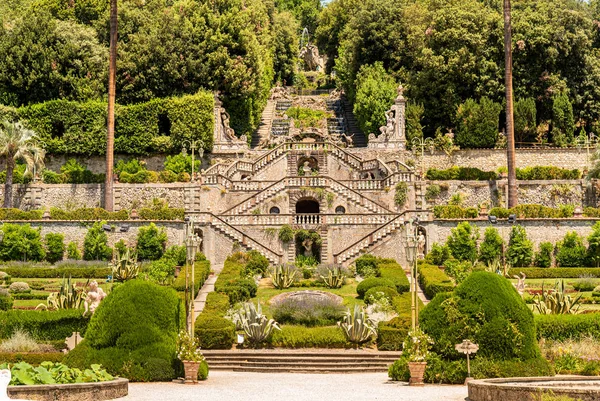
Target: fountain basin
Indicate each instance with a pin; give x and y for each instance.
(524, 388)
(100, 391)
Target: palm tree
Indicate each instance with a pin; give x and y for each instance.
(510, 128)
(110, 134)
(18, 143)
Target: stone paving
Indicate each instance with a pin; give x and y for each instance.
(234, 386)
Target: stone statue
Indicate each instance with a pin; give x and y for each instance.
(5, 377)
(94, 296)
(306, 169)
(520, 285)
(400, 91)
(420, 246)
(227, 130)
(307, 245)
(310, 55)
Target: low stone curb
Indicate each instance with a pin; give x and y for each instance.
(99, 391)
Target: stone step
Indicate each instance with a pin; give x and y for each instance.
(306, 352)
(315, 370)
(308, 364)
(299, 359)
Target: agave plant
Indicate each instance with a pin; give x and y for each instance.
(283, 276)
(256, 326)
(334, 277)
(68, 297)
(125, 266)
(357, 326)
(556, 301)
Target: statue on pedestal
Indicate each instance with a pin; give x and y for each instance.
(94, 296)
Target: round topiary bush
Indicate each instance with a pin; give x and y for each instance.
(19, 287)
(6, 301)
(486, 309)
(133, 333)
(369, 283)
(377, 293)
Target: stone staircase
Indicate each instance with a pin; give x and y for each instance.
(301, 361)
(360, 141)
(264, 128)
(336, 187)
(280, 127)
(243, 239)
(283, 105)
(369, 241)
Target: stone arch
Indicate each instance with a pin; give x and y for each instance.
(296, 196)
(307, 205)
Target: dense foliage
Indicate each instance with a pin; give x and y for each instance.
(53, 50)
(448, 52)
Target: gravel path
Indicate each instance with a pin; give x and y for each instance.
(237, 386)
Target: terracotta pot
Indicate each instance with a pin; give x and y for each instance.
(191, 372)
(417, 371)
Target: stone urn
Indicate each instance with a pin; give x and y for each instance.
(417, 372)
(191, 372)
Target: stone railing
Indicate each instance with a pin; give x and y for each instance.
(307, 219)
(247, 167)
(324, 218)
(237, 235)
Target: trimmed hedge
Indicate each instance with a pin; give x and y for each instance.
(7, 214)
(487, 306)
(554, 272)
(388, 292)
(201, 273)
(460, 174)
(88, 213)
(43, 325)
(75, 128)
(231, 282)
(395, 273)
(309, 337)
(32, 358)
(133, 333)
(533, 211)
(547, 173)
(214, 332)
(372, 282)
(391, 335)
(591, 212)
(57, 272)
(434, 280)
(563, 327)
(455, 212)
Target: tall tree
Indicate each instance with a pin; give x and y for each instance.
(510, 129)
(112, 88)
(18, 143)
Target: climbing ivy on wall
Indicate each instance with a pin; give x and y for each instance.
(160, 125)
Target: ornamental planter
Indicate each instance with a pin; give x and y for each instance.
(417, 371)
(191, 372)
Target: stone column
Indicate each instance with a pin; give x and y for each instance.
(400, 126)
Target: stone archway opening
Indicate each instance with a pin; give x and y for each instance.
(308, 206)
(198, 231)
(308, 165)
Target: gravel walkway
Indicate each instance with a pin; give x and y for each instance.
(234, 386)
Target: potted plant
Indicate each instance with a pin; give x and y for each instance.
(416, 348)
(188, 351)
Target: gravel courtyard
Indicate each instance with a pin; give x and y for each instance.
(234, 386)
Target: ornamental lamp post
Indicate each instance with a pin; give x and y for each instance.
(587, 142)
(422, 144)
(411, 258)
(193, 145)
(191, 244)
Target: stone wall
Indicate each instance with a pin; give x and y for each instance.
(548, 193)
(491, 159)
(538, 230)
